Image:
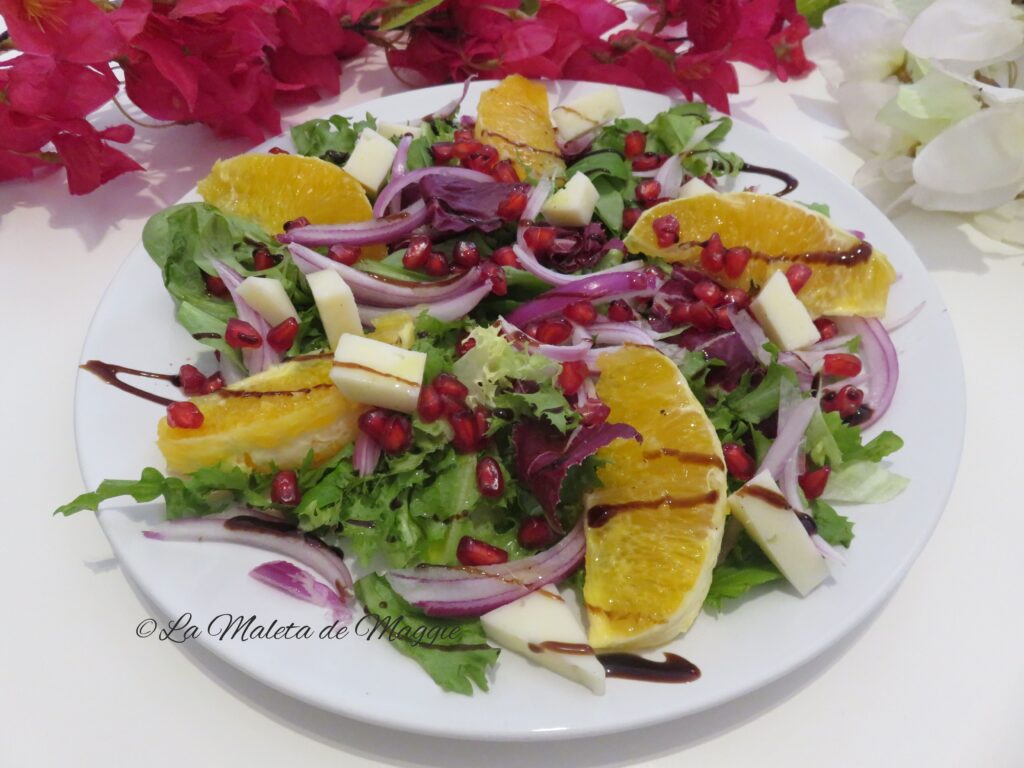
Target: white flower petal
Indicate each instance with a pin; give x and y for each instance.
(1002, 73)
(884, 179)
(860, 102)
(865, 41)
(970, 202)
(966, 30)
(926, 108)
(1005, 223)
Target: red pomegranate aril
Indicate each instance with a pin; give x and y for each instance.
(846, 401)
(437, 264)
(708, 292)
(192, 380)
(647, 190)
(262, 259)
(826, 328)
(483, 159)
(813, 483)
(666, 229)
(534, 533)
(798, 275)
(553, 331)
(282, 336)
(494, 273)
(740, 464)
(572, 376)
(302, 221)
(429, 407)
(344, 254)
(465, 345)
(475, 552)
(736, 260)
(240, 335)
(465, 439)
(680, 312)
(505, 172)
(446, 384)
(184, 415)
(712, 255)
(216, 286)
(647, 161)
(619, 311)
(443, 152)
(466, 254)
(483, 421)
(463, 149)
(489, 479)
(213, 383)
(737, 297)
(464, 134)
(397, 434)
(539, 239)
(278, 151)
(723, 319)
(375, 423)
(452, 404)
(505, 257)
(703, 317)
(512, 207)
(594, 413)
(629, 217)
(841, 365)
(581, 312)
(416, 253)
(635, 143)
(284, 488)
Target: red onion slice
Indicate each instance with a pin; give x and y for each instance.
(398, 168)
(621, 333)
(365, 454)
(464, 591)
(560, 354)
(793, 419)
(264, 356)
(446, 310)
(292, 580)
(881, 364)
(372, 232)
(536, 199)
(670, 176)
(603, 286)
(393, 190)
(750, 333)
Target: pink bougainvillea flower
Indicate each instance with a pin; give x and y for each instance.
(90, 161)
(73, 30)
(43, 86)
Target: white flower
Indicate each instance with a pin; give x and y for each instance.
(860, 101)
(977, 31)
(1005, 223)
(865, 41)
(924, 109)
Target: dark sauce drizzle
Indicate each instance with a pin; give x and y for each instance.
(629, 666)
(109, 373)
(790, 181)
(602, 513)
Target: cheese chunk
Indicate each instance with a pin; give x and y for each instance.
(572, 205)
(397, 130)
(586, 113)
(376, 373)
(695, 188)
(371, 159)
(268, 297)
(783, 316)
(335, 304)
(774, 525)
(542, 627)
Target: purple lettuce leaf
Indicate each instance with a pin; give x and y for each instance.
(461, 204)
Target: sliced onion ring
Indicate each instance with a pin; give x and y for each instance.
(604, 286)
(371, 232)
(394, 188)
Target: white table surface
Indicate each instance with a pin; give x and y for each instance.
(934, 678)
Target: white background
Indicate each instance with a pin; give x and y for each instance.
(934, 678)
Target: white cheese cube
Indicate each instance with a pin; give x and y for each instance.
(268, 297)
(397, 130)
(586, 113)
(544, 629)
(371, 159)
(373, 372)
(695, 188)
(783, 316)
(572, 205)
(773, 524)
(335, 304)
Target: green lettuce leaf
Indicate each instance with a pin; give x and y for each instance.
(744, 567)
(864, 482)
(331, 139)
(833, 527)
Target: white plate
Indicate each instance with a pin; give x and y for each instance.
(746, 647)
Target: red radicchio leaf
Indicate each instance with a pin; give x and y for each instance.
(544, 457)
(466, 203)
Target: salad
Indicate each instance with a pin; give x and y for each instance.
(513, 363)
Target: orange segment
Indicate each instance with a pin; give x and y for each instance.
(273, 189)
(655, 526)
(778, 232)
(514, 118)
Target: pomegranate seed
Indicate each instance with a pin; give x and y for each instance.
(437, 264)
(736, 261)
(666, 229)
(739, 463)
(282, 336)
(708, 292)
(452, 404)
(344, 254)
(737, 297)
(184, 415)
(629, 217)
(466, 254)
(512, 207)
(216, 286)
(647, 161)
(475, 552)
(446, 384)
(489, 479)
(847, 401)
(443, 152)
(648, 189)
(262, 259)
(539, 239)
(553, 331)
(302, 221)
(798, 275)
(213, 383)
(494, 273)
(594, 413)
(429, 407)
(415, 256)
(635, 143)
(530, 329)
(192, 380)
(505, 172)
(723, 319)
(619, 311)
(284, 488)
(240, 335)
(712, 255)
(505, 257)
(463, 424)
(827, 328)
(581, 312)
(813, 483)
(534, 532)
(397, 434)
(464, 346)
(841, 365)
(464, 134)
(483, 159)
(572, 376)
(375, 423)
(680, 313)
(279, 151)
(483, 421)
(656, 201)
(703, 317)
(463, 149)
